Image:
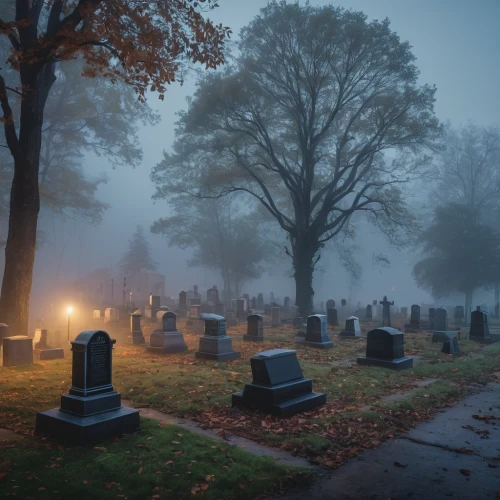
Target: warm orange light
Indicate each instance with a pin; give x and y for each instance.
(69, 310)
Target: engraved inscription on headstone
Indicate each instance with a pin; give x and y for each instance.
(98, 361)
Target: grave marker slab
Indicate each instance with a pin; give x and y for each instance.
(316, 332)
(255, 328)
(352, 328)
(479, 328)
(369, 312)
(385, 348)
(215, 344)
(167, 340)
(278, 387)
(332, 316)
(441, 320)
(451, 346)
(92, 410)
(111, 315)
(275, 316)
(136, 336)
(17, 350)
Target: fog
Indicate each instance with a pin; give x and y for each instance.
(456, 44)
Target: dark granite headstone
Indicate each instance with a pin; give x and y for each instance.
(215, 344)
(432, 318)
(255, 328)
(369, 312)
(343, 302)
(451, 346)
(330, 304)
(183, 304)
(92, 410)
(168, 340)
(275, 316)
(385, 348)
(332, 317)
(415, 315)
(260, 301)
(316, 332)
(136, 336)
(441, 320)
(352, 328)
(241, 314)
(278, 385)
(479, 329)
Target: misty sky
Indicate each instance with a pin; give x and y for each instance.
(457, 45)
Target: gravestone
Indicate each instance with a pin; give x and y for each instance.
(213, 296)
(343, 302)
(479, 329)
(414, 325)
(352, 328)
(253, 303)
(183, 304)
(316, 332)
(230, 317)
(386, 311)
(432, 317)
(42, 349)
(136, 336)
(96, 315)
(260, 301)
(286, 304)
(451, 346)
(369, 312)
(92, 410)
(167, 340)
(215, 344)
(332, 317)
(240, 310)
(154, 302)
(441, 320)
(404, 312)
(255, 328)
(55, 339)
(206, 309)
(219, 309)
(4, 332)
(297, 321)
(194, 311)
(278, 387)
(330, 304)
(275, 316)
(17, 350)
(459, 314)
(111, 315)
(385, 348)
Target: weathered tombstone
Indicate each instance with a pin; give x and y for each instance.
(451, 346)
(253, 303)
(213, 296)
(206, 309)
(404, 313)
(17, 350)
(275, 316)
(96, 315)
(183, 304)
(479, 329)
(260, 301)
(414, 325)
(432, 317)
(55, 339)
(215, 344)
(42, 349)
(316, 332)
(297, 321)
(385, 348)
(441, 320)
(111, 315)
(443, 336)
(92, 410)
(459, 314)
(343, 302)
(278, 387)
(352, 328)
(240, 309)
(332, 317)
(154, 302)
(136, 336)
(386, 311)
(330, 304)
(369, 312)
(194, 311)
(167, 340)
(230, 317)
(219, 309)
(255, 328)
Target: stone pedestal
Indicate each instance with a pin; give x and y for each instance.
(166, 342)
(385, 348)
(278, 386)
(17, 351)
(316, 332)
(215, 344)
(92, 410)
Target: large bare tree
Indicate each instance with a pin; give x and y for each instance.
(301, 121)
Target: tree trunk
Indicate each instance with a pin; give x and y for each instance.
(303, 257)
(24, 200)
(468, 303)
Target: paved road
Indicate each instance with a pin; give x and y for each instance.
(433, 470)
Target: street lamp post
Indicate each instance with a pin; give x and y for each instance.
(69, 310)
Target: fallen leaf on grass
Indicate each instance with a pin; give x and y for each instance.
(484, 417)
(176, 442)
(178, 453)
(465, 472)
(140, 471)
(398, 464)
(195, 489)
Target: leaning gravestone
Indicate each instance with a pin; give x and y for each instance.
(316, 332)
(443, 336)
(167, 340)
(385, 348)
(332, 316)
(441, 320)
(136, 336)
(17, 350)
(352, 328)
(92, 410)
(479, 329)
(255, 328)
(215, 344)
(278, 385)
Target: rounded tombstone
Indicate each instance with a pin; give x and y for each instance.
(169, 321)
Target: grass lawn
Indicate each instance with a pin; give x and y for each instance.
(354, 418)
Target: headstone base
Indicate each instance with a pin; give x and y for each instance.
(167, 342)
(349, 334)
(75, 429)
(253, 338)
(318, 345)
(136, 338)
(47, 354)
(17, 351)
(393, 364)
(85, 406)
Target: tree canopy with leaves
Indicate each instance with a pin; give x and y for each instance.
(223, 236)
(138, 256)
(143, 44)
(461, 254)
(301, 122)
